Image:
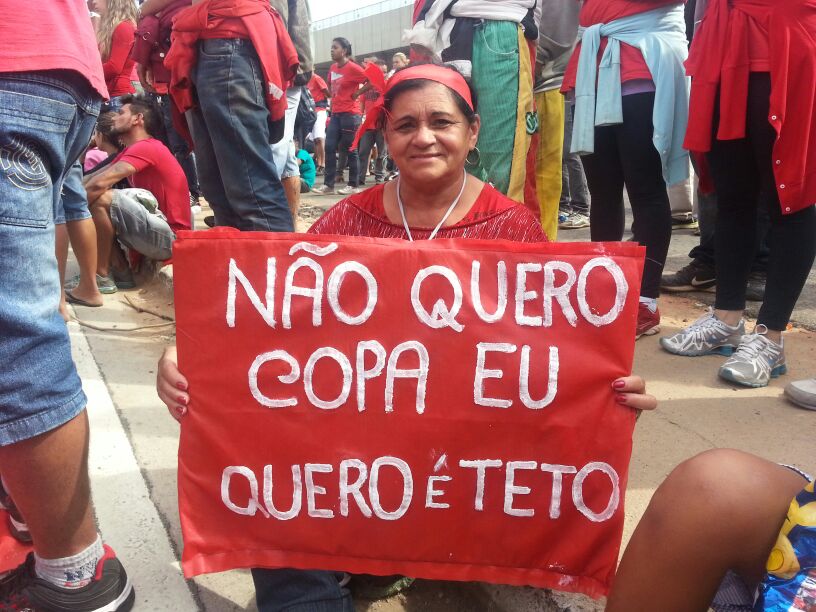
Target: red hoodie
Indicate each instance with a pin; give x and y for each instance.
(266, 31)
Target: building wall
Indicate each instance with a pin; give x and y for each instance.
(372, 30)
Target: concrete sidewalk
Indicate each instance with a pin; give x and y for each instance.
(135, 442)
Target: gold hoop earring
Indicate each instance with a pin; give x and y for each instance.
(478, 160)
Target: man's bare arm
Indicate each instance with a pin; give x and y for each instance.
(99, 182)
(151, 7)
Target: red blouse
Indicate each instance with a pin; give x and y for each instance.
(492, 216)
(119, 67)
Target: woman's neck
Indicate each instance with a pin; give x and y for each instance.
(342, 62)
(426, 205)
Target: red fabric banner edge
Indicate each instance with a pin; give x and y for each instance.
(201, 564)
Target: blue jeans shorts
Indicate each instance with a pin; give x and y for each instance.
(74, 200)
(46, 120)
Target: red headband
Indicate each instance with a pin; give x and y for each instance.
(431, 72)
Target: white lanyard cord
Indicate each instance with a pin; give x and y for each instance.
(445, 218)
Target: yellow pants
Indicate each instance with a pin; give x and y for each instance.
(550, 109)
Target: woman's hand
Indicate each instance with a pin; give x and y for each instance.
(171, 384)
(630, 391)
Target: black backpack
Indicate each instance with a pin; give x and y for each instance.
(306, 113)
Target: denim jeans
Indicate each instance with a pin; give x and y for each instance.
(339, 136)
(367, 142)
(46, 121)
(574, 190)
(288, 590)
(231, 131)
(179, 147)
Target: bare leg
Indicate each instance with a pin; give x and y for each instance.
(61, 252)
(320, 152)
(291, 185)
(105, 234)
(83, 241)
(719, 511)
(47, 476)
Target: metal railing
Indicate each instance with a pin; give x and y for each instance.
(360, 13)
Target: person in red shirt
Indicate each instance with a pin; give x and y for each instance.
(146, 218)
(320, 94)
(51, 89)
(117, 27)
(345, 78)
(753, 69)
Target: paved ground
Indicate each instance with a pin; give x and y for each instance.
(135, 442)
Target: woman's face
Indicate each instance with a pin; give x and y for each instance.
(397, 62)
(337, 51)
(428, 136)
(100, 6)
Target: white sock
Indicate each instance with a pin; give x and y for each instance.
(72, 572)
(650, 303)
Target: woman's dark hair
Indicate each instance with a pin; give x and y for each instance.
(104, 125)
(414, 84)
(343, 42)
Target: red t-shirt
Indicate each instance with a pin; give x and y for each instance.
(119, 67)
(493, 216)
(343, 82)
(50, 35)
(158, 171)
(316, 86)
(633, 66)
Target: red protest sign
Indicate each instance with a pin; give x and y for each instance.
(439, 409)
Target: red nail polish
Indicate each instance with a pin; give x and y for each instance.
(620, 398)
(181, 410)
(618, 384)
(181, 386)
(182, 400)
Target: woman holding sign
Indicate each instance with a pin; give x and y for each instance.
(430, 127)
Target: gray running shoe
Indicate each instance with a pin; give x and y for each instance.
(706, 336)
(756, 361)
(574, 220)
(72, 283)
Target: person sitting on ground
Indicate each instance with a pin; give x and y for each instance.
(145, 219)
(428, 118)
(308, 172)
(715, 517)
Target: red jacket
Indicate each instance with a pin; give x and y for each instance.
(719, 60)
(267, 32)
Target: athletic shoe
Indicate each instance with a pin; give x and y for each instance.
(573, 221)
(686, 223)
(106, 284)
(755, 289)
(209, 220)
(802, 393)
(756, 361)
(348, 190)
(648, 322)
(72, 283)
(320, 170)
(109, 590)
(707, 335)
(16, 525)
(562, 217)
(696, 276)
(324, 190)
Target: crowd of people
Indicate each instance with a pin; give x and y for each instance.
(508, 119)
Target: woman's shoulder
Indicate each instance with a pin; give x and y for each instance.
(513, 220)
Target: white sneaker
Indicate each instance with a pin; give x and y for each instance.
(347, 190)
(756, 361)
(324, 190)
(706, 336)
(802, 393)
